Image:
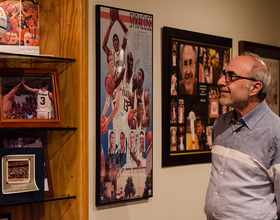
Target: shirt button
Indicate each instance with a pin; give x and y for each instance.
(213, 214)
(221, 173)
(234, 132)
(216, 194)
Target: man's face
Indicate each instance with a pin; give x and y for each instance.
(28, 39)
(236, 93)
(14, 38)
(112, 139)
(217, 59)
(132, 139)
(116, 43)
(188, 68)
(139, 79)
(122, 140)
(31, 21)
(142, 141)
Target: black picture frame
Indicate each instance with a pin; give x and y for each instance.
(119, 167)
(188, 112)
(271, 56)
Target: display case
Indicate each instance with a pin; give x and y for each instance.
(10, 60)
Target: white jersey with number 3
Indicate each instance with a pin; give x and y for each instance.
(44, 104)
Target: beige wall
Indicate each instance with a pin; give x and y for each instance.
(179, 191)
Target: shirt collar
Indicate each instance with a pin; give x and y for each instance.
(254, 116)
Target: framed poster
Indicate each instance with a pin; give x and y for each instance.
(124, 67)
(271, 56)
(30, 98)
(191, 67)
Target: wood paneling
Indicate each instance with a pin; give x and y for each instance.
(64, 33)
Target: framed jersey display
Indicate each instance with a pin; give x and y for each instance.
(30, 98)
(271, 56)
(124, 67)
(191, 67)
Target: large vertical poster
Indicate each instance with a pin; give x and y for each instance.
(124, 104)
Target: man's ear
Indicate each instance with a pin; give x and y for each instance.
(256, 88)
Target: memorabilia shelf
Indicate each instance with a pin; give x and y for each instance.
(11, 60)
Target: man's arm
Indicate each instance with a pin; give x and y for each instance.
(106, 37)
(125, 30)
(138, 162)
(115, 109)
(30, 89)
(146, 121)
(119, 77)
(51, 96)
(14, 90)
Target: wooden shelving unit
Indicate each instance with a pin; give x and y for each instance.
(63, 33)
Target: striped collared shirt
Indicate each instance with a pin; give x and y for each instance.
(245, 176)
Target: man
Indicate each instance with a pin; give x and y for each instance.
(142, 142)
(32, 29)
(133, 150)
(128, 85)
(174, 53)
(137, 121)
(118, 54)
(111, 152)
(245, 178)
(28, 41)
(188, 70)
(115, 99)
(216, 68)
(14, 38)
(141, 93)
(44, 100)
(8, 100)
(120, 160)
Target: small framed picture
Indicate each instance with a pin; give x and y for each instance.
(25, 140)
(30, 98)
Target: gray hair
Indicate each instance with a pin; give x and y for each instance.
(259, 72)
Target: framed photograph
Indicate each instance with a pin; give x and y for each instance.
(191, 67)
(5, 216)
(30, 98)
(124, 100)
(25, 140)
(271, 56)
(22, 175)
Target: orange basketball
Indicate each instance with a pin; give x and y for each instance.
(114, 14)
(110, 84)
(102, 121)
(149, 138)
(130, 116)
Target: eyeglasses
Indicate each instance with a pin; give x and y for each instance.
(228, 76)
